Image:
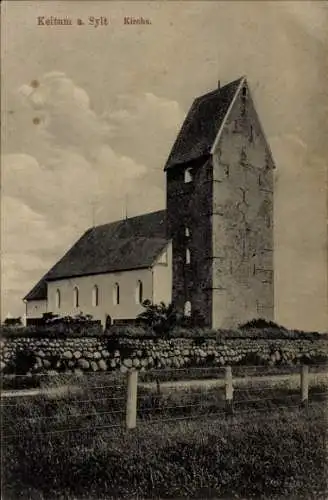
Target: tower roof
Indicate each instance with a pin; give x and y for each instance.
(202, 124)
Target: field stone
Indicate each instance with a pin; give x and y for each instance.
(112, 363)
(94, 366)
(67, 355)
(2, 365)
(127, 362)
(105, 353)
(97, 355)
(102, 365)
(136, 362)
(38, 361)
(123, 369)
(83, 364)
(77, 354)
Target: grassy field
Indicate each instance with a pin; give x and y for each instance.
(185, 446)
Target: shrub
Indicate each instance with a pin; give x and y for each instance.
(22, 362)
(261, 323)
(161, 318)
(13, 322)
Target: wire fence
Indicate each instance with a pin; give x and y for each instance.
(101, 402)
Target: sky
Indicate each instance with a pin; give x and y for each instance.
(89, 116)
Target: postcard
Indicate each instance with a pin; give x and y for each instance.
(164, 177)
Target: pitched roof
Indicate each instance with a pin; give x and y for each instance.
(39, 291)
(132, 243)
(202, 124)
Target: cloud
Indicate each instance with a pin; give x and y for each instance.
(142, 123)
(68, 167)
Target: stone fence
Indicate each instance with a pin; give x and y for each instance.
(108, 354)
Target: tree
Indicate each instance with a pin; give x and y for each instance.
(161, 318)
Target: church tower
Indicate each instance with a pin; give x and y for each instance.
(219, 178)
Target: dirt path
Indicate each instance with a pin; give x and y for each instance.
(292, 380)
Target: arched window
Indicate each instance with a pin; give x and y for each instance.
(188, 256)
(58, 299)
(116, 294)
(188, 175)
(139, 292)
(187, 308)
(76, 297)
(187, 232)
(95, 296)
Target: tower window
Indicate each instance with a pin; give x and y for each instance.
(76, 301)
(187, 232)
(116, 294)
(243, 157)
(188, 256)
(187, 309)
(95, 296)
(188, 175)
(251, 134)
(58, 299)
(139, 292)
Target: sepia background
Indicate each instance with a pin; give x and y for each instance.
(89, 116)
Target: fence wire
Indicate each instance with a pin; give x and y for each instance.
(99, 401)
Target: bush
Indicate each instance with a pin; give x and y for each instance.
(22, 362)
(261, 323)
(14, 322)
(161, 318)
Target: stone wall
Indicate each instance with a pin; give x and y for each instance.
(243, 278)
(102, 354)
(189, 208)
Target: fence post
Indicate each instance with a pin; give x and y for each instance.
(228, 390)
(131, 399)
(158, 387)
(304, 385)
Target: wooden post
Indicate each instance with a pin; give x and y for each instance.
(131, 399)
(304, 385)
(228, 390)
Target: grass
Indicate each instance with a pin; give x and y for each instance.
(283, 456)
(267, 452)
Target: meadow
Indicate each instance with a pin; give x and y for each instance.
(74, 446)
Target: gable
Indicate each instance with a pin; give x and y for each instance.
(252, 118)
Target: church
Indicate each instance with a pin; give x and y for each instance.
(210, 252)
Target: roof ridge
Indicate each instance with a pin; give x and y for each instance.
(117, 221)
(219, 89)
